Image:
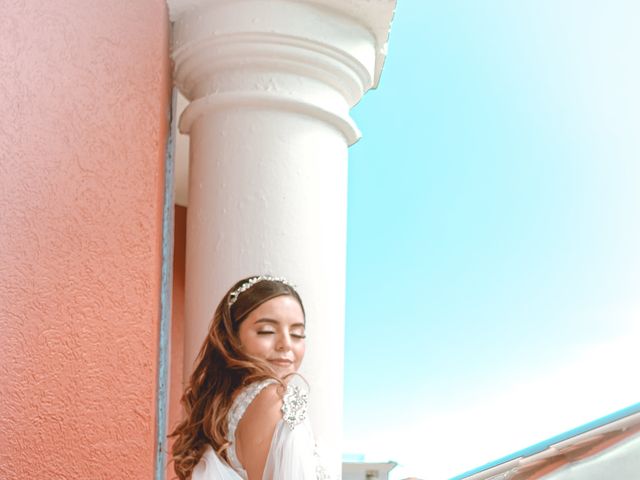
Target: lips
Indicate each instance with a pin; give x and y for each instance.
(281, 361)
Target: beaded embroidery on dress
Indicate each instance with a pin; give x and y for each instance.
(292, 455)
(294, 406)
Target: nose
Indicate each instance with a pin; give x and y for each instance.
(284, 342)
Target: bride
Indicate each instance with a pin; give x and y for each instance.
(245, 416)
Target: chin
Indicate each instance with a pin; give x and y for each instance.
(284, 371)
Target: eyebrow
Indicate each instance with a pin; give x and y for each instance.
(276, 322)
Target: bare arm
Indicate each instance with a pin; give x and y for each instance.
(255, 431)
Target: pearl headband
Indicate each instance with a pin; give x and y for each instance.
(233, 296)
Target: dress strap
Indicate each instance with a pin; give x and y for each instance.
(294, 406)
(240, 405)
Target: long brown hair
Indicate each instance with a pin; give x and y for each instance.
(221, 369)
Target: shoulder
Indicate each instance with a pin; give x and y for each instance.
(263, 412)
(261, 415)
(272, 404)
(268, 424)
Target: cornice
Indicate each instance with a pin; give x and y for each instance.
(272, 52)
(373, 15)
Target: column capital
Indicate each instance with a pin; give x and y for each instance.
(313, 57)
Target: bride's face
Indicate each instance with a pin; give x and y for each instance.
(275, 332)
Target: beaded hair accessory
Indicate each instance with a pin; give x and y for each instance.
(233, 296)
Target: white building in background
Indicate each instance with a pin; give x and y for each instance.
(366, 470)
(606, 449)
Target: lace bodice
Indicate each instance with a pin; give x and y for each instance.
(292, 454)
(240, 405)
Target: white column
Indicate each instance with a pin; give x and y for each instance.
(270, 84)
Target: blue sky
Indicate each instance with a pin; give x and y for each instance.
(494, 236)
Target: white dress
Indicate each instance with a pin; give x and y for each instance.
(292, 455)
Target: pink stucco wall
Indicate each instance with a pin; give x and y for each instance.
(84, 94)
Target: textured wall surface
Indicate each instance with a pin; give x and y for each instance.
(84, 96)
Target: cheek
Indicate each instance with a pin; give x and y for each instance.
(257, 345)
(299, 350)
(249, 341)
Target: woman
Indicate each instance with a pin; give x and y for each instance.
(245, 420)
